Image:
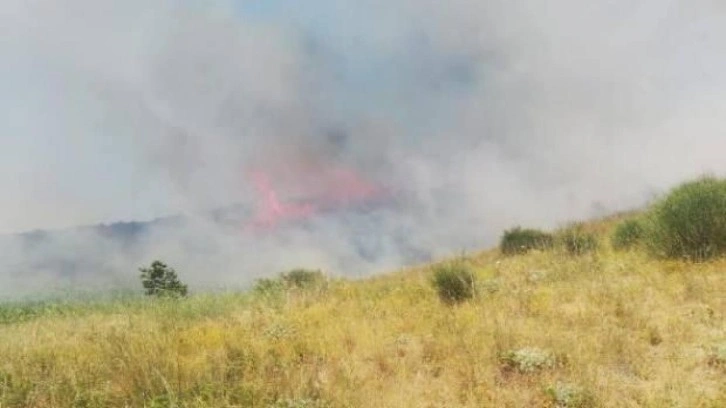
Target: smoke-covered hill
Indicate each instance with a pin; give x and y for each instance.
(225, 247)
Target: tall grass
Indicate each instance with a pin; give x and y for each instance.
(577, 240)
(550, 329)
(390, 342)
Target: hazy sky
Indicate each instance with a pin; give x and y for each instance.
(531, 110)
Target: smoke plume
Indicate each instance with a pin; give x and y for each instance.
(472, 116)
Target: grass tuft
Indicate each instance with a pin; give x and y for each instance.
(454, 282)
(517, 241)
(576, 240)
(566, 395)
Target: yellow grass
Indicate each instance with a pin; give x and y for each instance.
(626, 330)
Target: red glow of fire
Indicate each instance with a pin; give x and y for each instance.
(321, 190)
(272, 211)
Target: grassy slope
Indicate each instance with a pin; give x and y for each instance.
(629, 330)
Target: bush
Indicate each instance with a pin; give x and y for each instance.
(628, 234)
(294, 279)
(454, 282)
(690, 222)
(161, 281)
(300, 403)
(302, 278)
(576, 241)
(519, 241)
(528, 360)
(268, 287)
(717, 356)
(565, 395)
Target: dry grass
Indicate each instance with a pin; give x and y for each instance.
(623, 329)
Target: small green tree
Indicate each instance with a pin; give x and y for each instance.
(160, 280)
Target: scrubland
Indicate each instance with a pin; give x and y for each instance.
(546, 327)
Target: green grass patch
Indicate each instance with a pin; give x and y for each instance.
(454, 282)
(519, 241)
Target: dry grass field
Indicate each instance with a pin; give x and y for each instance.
(544, 329)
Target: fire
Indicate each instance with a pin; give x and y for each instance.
(272, 211)
(319, 189)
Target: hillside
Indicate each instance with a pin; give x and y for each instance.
(98, 256)
(606, 329)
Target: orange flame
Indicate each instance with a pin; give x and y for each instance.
(272, 210)
(322, 189)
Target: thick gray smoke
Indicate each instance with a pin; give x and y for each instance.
(482, 114)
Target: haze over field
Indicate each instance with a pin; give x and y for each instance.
(482, 114)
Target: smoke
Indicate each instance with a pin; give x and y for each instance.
(476, 115)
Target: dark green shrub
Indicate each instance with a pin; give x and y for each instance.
(690, 222)
(628, 234)
(302, 278)
(520, 241)
(268, 287)
(454, 282)
(160, 280)
(294, 279)
(577, 241)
